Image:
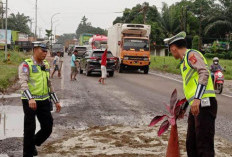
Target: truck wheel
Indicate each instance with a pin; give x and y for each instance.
(111, 74)
(146, 70)
(121, 68)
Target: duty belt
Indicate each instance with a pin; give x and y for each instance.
(39, 96)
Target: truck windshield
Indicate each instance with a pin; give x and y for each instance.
(136, 44)
(99, 44)
(81, 48)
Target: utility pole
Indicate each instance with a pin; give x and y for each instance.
(40, 32)
(2, 16)
(144, 10)
(2, 13)
(52, 26)
(6, 31)
(31, 25)
(186, 18)
(36, 9)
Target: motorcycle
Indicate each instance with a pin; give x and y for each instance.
(218, 81)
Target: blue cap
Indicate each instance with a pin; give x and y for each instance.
(40, 44)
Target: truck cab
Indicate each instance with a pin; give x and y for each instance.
(131, 44)
(98, 42)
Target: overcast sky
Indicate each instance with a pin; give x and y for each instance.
(101, 13)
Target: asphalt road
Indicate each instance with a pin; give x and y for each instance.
(127, 99)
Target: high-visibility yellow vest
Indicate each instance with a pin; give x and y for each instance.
(190, 79)
(38, 80)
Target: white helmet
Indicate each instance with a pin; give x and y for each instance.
(216, 59)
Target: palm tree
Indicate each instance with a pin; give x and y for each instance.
(220, 18)
(19, 22)
(169, 21)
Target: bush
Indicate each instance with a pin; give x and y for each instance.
(169, 64)
(223, 55)
(209, 55)
(195, 42)
(9, 69)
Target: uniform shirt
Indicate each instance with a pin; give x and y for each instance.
(73, 59)
(104, 58)
(24, 76)
(196, 61)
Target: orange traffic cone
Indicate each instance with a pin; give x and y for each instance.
(173, 143)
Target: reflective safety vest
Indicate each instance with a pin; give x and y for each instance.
(190, 79)
(38, 80)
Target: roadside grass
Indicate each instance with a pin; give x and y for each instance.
(170, 65)
(9, 70)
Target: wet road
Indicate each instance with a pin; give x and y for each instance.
(128, 99)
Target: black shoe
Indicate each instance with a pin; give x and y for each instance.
(35, 152)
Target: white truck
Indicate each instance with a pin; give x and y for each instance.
(131, 45)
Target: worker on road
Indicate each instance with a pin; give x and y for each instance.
(103, 68)
(57, 63)
(199, 91)
(36, 93)
(74, 66)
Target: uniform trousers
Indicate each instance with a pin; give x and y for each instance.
(45, 119)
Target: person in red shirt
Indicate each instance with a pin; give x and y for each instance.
(103, 68)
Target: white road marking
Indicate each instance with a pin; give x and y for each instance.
(165, 77)
(180, 81)
(227, 95)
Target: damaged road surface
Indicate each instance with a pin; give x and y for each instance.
(112, 120)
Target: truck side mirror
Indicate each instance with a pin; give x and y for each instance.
(119, 43)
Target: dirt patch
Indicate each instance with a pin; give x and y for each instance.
(112, 141)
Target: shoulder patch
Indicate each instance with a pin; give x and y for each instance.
(25, 67)
(192, 59)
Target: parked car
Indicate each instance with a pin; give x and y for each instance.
(57, 47)
(81, 50)
(91, 62)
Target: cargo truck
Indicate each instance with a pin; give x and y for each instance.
(130, 44)
(98, 42)
(84, 39)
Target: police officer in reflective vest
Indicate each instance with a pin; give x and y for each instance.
(37, 92)
(199, 91)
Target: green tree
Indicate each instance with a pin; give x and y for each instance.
(19, 22)
(66, 37)
(48, 33)
(86, 27)
(219, 22)
(169, 20)
(195, 42)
